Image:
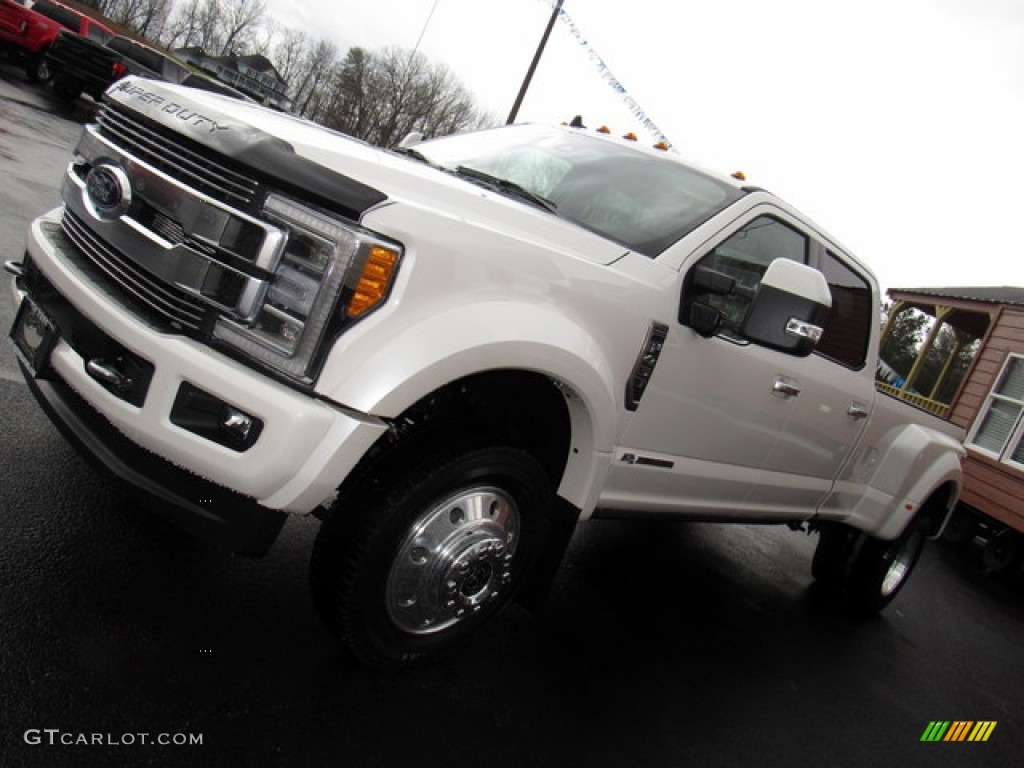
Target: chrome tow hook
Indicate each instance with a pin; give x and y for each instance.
(15, 268)
(107, 375)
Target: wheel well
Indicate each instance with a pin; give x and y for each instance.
(519, 408)
(522, 408)
(936, 509)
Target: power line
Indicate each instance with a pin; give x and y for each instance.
(424, 30)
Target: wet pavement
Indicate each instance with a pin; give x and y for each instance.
(662, 645)
(37, 134)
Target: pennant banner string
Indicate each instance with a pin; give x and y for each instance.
(606, 74)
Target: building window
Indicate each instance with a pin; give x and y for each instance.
(999, 428)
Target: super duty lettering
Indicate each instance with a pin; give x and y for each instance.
(453, 353)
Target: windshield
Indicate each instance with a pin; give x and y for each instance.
(62, 16)
(642, 201)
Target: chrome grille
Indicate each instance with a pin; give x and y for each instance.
(168, 228)
(169, 302)
(177, 156)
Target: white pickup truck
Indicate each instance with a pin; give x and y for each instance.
(454, 351)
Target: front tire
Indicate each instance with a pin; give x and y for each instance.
(417, 560)
(67, 89)
(36, 68)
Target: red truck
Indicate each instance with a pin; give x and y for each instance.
(27, 33)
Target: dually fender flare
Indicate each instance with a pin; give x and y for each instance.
(918, 463)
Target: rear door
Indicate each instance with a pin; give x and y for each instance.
(836, 394)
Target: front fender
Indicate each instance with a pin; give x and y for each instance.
(386, 379)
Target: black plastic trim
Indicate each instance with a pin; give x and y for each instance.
(272, 160)
(217, 515)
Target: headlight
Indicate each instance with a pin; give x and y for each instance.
(329, 272)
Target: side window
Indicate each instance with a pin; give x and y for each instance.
(848, 328)
(745, 256)
(99, 34)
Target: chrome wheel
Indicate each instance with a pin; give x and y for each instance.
(455, 562)
(879, 569)
(428, 549)
(902, 562)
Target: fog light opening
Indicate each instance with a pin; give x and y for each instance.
(211, 418)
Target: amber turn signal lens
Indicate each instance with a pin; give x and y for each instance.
(374, 281)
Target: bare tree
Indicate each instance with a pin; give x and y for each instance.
(240, 21)
(184, 27)
(220, 26)
(146, 17)
(288, 52)
(382, 97)
(309, 97)
(376, 96)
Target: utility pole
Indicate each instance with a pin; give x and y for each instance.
(533, 64)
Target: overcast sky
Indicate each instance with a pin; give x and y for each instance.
(897, 125)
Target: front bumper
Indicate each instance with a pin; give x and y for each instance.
(81, 69)
(209, 512)
(304, 450)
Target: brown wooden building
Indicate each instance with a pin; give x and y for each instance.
(988, 402)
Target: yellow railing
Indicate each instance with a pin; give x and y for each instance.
(932, 406)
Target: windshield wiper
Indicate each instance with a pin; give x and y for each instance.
(507, 187)
(413, 153)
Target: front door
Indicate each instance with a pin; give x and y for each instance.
(712, 413)
(727, 428)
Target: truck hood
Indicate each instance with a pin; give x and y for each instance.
(345, 174)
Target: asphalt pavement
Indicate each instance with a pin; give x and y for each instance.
(662, 645)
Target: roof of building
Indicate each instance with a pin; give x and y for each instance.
(253, 61)
(1005, 294)
(258, 62)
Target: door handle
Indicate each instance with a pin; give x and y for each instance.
(857, 411)
(786, 387)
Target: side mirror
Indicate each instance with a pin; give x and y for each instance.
(789, 310)
(704, 318)
(410, 139)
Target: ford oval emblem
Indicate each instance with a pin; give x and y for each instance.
(108, 192)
